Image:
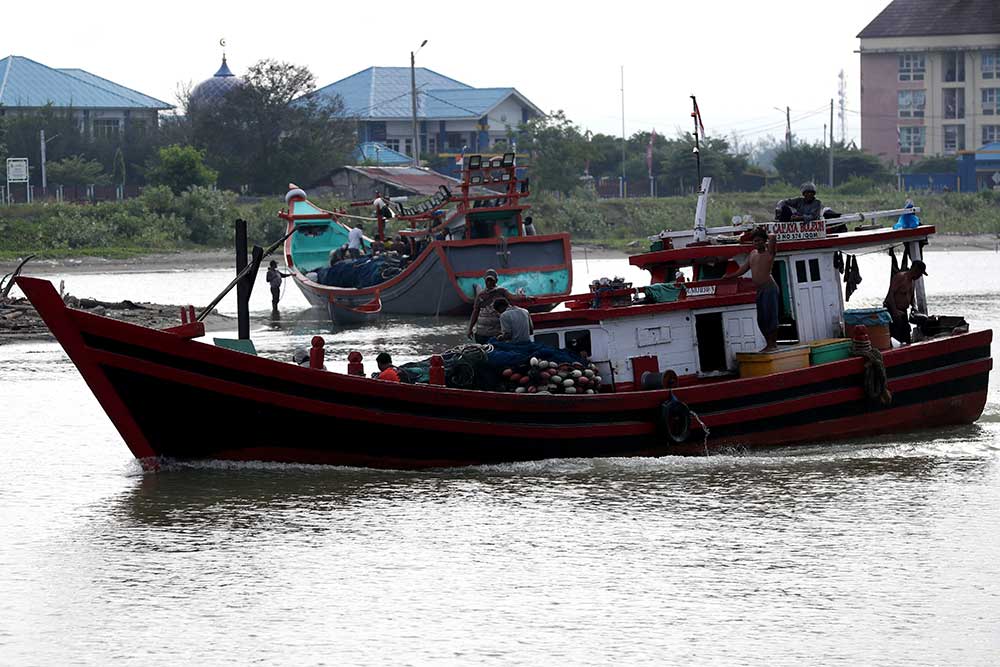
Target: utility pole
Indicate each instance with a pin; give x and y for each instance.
(41, 136)
(788, 128)
(831, 142)
(413, 93)
(621, 187)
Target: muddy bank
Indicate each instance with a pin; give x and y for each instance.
(19, 320)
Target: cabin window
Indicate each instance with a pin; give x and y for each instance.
(578, 341)
(711, 342)
(814, 270)
(550, 339)
(800, 271)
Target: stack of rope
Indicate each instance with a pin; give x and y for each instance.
(876, 383)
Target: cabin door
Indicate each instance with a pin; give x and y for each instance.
(810, 305)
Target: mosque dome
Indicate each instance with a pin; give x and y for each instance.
(214, 89)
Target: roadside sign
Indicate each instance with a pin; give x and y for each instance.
(17, 170)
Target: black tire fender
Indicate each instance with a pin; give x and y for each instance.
(676, 419)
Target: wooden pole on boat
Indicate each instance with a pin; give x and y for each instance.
(697, 150)
(242, 293)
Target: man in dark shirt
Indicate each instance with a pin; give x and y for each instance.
(805, 208)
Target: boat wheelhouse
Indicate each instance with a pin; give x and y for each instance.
(444, 247)
(699, 332)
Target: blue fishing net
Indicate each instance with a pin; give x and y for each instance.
(355, 273)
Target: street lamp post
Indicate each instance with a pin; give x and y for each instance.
(413, 93)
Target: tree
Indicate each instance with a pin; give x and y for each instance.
(75, 170)
(558, 151)
(179, 168)
(271, 129)
(118, 175)
(811, 162)
(679, 167)
(940, 164)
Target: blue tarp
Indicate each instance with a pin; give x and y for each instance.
(508, 355)
(363, 272)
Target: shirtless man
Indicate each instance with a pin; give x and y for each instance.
(759, 265)
(900, 297)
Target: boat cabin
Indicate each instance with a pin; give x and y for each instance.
(694, 323)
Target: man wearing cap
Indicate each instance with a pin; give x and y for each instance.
(900, 298)
(485, 321)
(805, 208)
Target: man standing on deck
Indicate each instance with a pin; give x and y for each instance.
(356, 240)
(485, 320)
(900, 298)
(805, 208)
(759, 265)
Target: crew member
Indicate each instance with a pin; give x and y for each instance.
(759, 265)
(485, 320)
(356, 240)
(900, 298)
(515, 322)
(805, 208)
(387, 371)
(274, 278)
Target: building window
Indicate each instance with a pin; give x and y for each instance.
(392, 144)
(954, 103)
(954, 67)
(912, 103)
(106, 127)
(453, 142)
(912, 140)
(912, 68)
(991, 101)
(500, 142)
(376, 131)
(991, 133)
(954, 138)
(432, 145)
(137, 127)
(991, 64)
(408, 147)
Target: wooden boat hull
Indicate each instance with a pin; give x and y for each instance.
(443, 278)
(345, 315)
(182, 399)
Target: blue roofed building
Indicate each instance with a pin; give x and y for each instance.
(103, 108)
(451, 115)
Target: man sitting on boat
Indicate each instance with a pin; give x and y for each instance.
(759, 265)
(387, 371)
(515, 322)
(805, 208)
(485, 320)
(900, 298)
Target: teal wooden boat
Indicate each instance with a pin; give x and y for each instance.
(448, 242)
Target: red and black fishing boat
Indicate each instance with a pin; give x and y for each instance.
(175, 397)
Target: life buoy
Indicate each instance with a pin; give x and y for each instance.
(676, 419)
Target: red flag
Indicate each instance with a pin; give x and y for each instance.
(696, 114)
(649, 153)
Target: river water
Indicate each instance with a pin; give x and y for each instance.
(882, 551)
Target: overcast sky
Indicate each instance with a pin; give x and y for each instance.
(741, 59)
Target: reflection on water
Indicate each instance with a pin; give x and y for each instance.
(872, 551)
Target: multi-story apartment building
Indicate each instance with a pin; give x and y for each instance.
(930, 78)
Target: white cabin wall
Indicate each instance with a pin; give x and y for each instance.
(818, 304)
